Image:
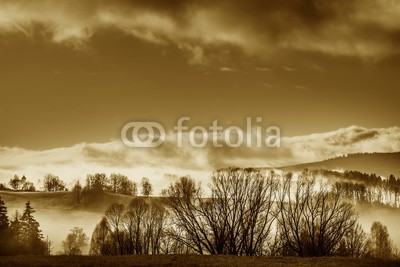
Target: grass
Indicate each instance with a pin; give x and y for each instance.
(188, 260)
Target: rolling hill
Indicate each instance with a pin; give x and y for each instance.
(382, 164)
(93, 202)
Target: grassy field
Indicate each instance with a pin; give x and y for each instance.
(187, 260)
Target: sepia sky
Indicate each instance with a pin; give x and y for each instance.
(74, 72)
(77, 71)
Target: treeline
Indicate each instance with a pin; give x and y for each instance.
(51, 183)
(247, 213)
(20, 184)
(117, 183)
(368, 154)
(365, 188)
(21, 235)
(99, 182)
(136, 229)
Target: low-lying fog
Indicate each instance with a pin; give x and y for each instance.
(56, 224)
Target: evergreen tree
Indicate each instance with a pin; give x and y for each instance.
(4, 222)
(31, 236)
(14, 243)
(4, 228)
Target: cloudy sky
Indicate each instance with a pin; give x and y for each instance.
(72, 73)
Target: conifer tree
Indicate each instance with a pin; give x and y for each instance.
(31, 236)
(4, 228)
(4, 222)
(14, 244)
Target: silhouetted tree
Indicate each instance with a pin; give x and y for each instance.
(31, 237)
(101, 242)
(97, 182)
(312, 221)
(52, 183)
(14, 242)
(147, 188)
(236, 219)
(244, 198)
(133, 223)
(154, 231)
(381, 244)
(48, 246)
(121, 184)
(137, 229)
(4, 229)
(15, 182)
(77, 191)
(355, 243)
(4, 222)
(75, 242)
(114, 215)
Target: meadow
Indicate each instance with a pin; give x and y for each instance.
(189, 260)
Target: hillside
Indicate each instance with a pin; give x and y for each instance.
(382, 164)
(92, 202)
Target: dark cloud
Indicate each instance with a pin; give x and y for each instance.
(351, 136)
(264, 28)
(90, 66)
(364, 136)
(105, 157)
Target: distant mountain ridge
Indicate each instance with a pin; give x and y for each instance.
(382, 164)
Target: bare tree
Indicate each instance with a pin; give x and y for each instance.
(75, 242)
(53, 183)
(121, 184)
(48, 246)
(97, 182)
(154, 229)
(101, 242)
(114, 215)
(355, 243)
(77, 191)
(15, 182)
(236, 219)
(244, 198)
(133, 222)
(183, 199)
(147, 188)
(136, 229)
(312, 221)
(381, 243)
